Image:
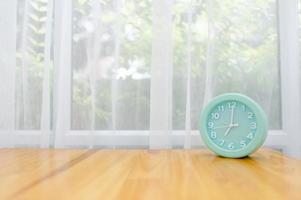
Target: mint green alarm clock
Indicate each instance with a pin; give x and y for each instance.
(233, 125)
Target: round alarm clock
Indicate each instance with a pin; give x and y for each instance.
(233, 125)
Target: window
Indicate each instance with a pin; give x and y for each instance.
(112, 72)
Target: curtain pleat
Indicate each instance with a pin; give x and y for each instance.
(209, 53)
(93, 50)
(7, 71)
(117, 30)
(46, 91)
(62, 73)
(25, 119)
(161, 76)
(187, 142)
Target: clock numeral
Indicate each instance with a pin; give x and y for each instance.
(213, 135)
(231, 145)
(214, 115)
(221, 142)
(250, 136)
(253, 125)
(243, 107)
(231, 104)
(221, 108)
(250, 115)
(243, 143)
(210, 124)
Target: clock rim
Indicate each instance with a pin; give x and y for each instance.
(261, 132)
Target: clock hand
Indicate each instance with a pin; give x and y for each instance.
(231, 125)
(228, 130)
(232, 115)
(226, 126)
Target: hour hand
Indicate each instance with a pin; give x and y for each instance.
(228, 130)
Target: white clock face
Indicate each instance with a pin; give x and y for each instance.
(231, 125)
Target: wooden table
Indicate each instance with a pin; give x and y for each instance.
(142, 174)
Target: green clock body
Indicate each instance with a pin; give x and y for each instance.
(233, 125)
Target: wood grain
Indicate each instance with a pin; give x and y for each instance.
(142, 174)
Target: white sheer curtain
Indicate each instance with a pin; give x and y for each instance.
(130, 73)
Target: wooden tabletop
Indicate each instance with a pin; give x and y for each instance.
(142, 174)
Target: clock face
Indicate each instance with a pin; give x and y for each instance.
(233, 125)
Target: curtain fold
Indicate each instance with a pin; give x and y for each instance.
(187, 142)
(209, 67)
(7, 71)
(62, 72)
(46, 87)
(161, 76)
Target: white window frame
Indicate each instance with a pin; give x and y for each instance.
(290, 75)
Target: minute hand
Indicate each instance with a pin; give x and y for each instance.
(231, 121)
(232, 116)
